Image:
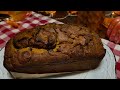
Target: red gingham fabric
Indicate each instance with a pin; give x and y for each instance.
(6, 32)
(116, 51)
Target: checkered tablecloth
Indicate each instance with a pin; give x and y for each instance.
(35, 19)
(116, 51)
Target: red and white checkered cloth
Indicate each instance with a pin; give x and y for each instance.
(6, 32)
(116, 51)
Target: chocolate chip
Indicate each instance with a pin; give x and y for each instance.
(38, 39)
(30, 48)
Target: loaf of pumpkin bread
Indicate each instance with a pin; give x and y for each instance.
(53, 48)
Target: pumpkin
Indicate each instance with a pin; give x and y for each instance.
(113, 31)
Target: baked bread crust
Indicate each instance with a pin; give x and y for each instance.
(53, 48)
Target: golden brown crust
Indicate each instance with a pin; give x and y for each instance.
(53, 48)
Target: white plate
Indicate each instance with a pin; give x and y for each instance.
(106, 69)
